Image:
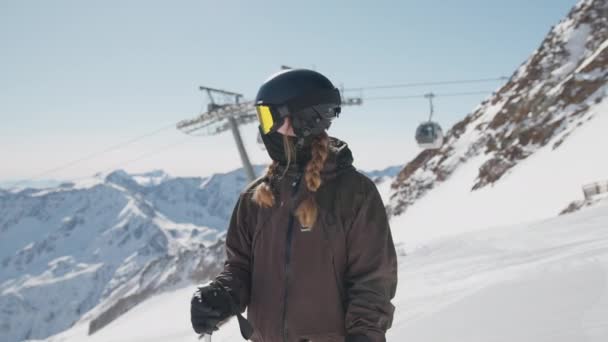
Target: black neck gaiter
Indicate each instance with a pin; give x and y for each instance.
(274, 146)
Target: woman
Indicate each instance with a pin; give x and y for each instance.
(309, 248)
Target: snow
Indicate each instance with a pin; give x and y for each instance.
(495, 264)
(545, 281)
(491, 111)
(576, 39)
(538, 187)
(94, 242)
(150, 178)
(165, 317)
(384, 187)
(590, 59)
(477, 266)
(105, 238)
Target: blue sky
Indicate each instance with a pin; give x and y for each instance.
(79, 76)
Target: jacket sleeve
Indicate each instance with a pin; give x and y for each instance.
(371, 270)
(236, 275)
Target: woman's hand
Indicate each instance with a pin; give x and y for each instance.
(209, 306)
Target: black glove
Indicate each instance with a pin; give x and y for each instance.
(209, 306)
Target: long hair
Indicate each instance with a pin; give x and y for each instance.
(307, 211)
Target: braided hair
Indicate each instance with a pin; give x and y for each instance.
(307, 211)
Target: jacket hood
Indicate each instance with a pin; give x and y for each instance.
(339, 159)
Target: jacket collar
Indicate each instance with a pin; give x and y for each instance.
(339, 159)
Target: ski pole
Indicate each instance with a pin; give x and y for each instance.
(205, 336)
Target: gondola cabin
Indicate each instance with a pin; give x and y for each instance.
(429, 135)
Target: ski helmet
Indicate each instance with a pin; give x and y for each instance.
(306, 96)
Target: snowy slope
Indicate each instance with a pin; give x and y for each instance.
(106, 243)
(540, 186)
(546, 281)
(540, 282)
(525, 152)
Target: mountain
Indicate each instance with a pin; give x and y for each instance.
(506, 171)
(38, 184)
(379, 176)
(543, 282)
(117, 255)
(91, 250)
(106, 243)
(525, 152)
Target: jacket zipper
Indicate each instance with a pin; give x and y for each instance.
(294, 189)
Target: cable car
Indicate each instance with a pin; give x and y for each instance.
(429, 135)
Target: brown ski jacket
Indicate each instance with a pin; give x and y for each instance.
(320, 285)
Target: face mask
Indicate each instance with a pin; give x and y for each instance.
(274, 146)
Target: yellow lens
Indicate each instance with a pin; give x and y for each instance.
(265, 118)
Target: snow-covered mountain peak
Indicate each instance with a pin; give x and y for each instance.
(106, 243)
(123, 179)
(151, 178)
(557, 91)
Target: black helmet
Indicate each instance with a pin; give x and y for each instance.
(308, 97)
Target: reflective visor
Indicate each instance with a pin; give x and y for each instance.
(265, 118)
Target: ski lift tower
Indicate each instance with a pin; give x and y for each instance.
(228, 116)
(221, 117)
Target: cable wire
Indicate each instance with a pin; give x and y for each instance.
(389, 86)
(146, 155)
(93, 155)
(421, 84)
(400, 97)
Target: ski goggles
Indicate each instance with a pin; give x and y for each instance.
(307, 119)
(269, 117)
